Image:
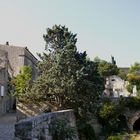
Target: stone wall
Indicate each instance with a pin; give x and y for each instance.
(37, 128)
(131, 116)
(4, 96)
(31, 61)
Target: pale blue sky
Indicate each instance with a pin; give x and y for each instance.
(104, 27)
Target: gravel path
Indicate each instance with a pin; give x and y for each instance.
(7, 122)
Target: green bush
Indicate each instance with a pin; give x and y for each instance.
(61, 130)
(111, 117)
(86, 131)
(108, 110)
(133, 103)
(119, 137)
(122, 136)
(130, 88)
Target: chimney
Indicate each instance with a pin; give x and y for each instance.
(7, 43)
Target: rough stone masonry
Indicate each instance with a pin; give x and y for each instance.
(37, 128)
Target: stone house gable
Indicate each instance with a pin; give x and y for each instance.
(19, 57)
(12, 58)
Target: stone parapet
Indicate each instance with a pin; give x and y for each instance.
(37, 128)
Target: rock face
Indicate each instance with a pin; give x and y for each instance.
(37, 128)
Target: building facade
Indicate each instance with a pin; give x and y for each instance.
(4, 98)
(117, 87)
(12, 59)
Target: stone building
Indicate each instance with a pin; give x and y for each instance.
(116, 87)
(19, 57)
(4, 98)
(12, 58)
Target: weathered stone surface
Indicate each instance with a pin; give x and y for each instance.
(4, 97)
(12, 58)
(18, 57)
(37, 128)
(132, 116)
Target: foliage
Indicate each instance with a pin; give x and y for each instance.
(134, 79)
(111, 117)
(130, 88)
(21, 83)
(108, 111)
(105, 68)
(124, 136)
(67, 78)
(133, 103)
(86, 131)
(61, 130)
(97, 59)
(134, 75)
(122, 74)
(135, 68)
(117, 137)
(113, 61)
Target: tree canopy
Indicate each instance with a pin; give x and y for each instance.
(67, 79)
(106, 68)
(134, 75)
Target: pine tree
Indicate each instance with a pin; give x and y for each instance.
(67, 78)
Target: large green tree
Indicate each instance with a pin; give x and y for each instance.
(67, 79)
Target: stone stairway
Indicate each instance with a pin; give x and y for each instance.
(7, 122)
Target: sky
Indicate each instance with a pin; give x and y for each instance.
(103, 27)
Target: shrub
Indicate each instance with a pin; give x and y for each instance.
(61, 130)
(133, 103)
(86, 131)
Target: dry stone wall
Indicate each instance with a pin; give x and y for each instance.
(37, 128)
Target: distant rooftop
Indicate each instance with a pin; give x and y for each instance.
(8, 45)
